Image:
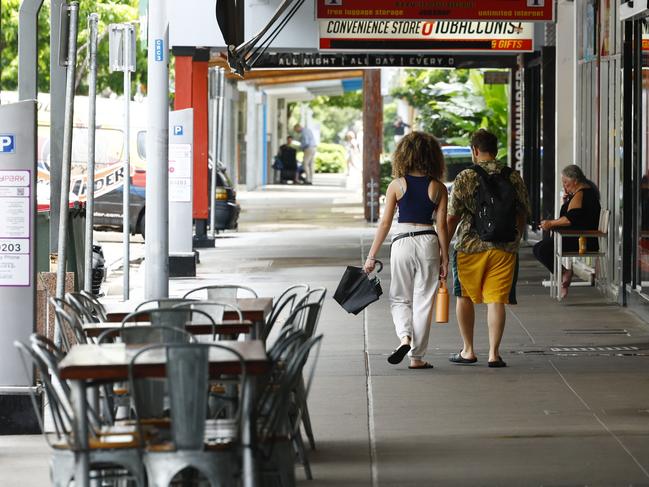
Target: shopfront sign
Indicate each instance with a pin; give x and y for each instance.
(504, 10)
(325, 60)
(425, 35)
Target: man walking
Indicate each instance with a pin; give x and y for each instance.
(489, 208)
(307, 142)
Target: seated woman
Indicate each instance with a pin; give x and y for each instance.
(580, 211)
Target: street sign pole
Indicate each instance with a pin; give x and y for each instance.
(128, 31)
(122, 58)
(71, 63)
(156, 278)
(93, 21)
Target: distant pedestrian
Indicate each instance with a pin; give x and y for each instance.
(354, 161)
(308, 144)
(489, 207)
(399, 129)
(288, 160)
(419, 253)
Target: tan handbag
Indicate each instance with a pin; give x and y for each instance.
(441, 303)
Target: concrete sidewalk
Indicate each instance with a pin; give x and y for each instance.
(570, 409)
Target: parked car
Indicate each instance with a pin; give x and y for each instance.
(457, 160)
(226, 208)
(108, 210)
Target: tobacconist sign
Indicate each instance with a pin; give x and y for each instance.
(425, 35)
(504, 10)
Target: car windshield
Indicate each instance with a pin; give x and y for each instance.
(457, 160)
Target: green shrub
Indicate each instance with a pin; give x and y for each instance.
(330, 158)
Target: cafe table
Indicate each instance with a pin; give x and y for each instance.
(252, 309)
(226, 327)
(109, 362)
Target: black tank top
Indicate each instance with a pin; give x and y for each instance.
(415, 205)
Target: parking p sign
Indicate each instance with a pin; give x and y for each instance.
(7, 143)
(178, 130)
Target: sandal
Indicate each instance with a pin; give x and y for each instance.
(497, 363)
(457, 358)
(425, 365)
(397, 356)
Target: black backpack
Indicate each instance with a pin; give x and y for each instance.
(495, 198)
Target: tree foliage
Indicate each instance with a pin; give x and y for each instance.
(337, 114)
(452, 104)
(109, 11)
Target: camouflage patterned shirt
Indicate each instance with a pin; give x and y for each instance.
(462, 204)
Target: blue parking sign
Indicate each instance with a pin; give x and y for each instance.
(7, 143)
(178, 129)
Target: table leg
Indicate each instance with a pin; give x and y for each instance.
(250, 467)
(80, 425)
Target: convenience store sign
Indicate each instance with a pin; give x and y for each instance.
(503, 10)
(417, 35)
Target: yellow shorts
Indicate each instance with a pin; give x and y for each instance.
(486, 277)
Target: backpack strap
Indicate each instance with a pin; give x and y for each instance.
(481, 172)
(506, 171)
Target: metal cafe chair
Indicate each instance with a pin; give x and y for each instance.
(211, 447)
(305, 318)
(285, 301)
(69, 323)
(52, 355)
(215, 310)
(276, 423)
(152, 391)
(222, 292)
(89, 309)
(314, 296)
(160, 303)
(113, 451)
(174, 317)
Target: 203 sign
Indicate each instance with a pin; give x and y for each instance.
(10, 247)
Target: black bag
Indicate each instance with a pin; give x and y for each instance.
(495, 217)
(357, 290)
(278, 165)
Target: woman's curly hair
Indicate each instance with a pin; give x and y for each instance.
(418, 151)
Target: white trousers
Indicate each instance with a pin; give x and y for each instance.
(414, 267)
(308, 161)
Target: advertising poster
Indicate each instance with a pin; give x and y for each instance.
(429, 35)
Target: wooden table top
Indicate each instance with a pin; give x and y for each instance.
(110, 361)
(226, 327)
(252, 309)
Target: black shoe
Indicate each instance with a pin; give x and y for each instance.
(497, 363)
(398, 354)
(457, 358)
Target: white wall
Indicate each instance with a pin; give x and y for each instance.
(193, 23)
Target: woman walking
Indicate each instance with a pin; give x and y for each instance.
(419, 253)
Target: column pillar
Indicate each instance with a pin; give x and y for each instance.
(192, 92)
(372, 142)
(566, 94)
